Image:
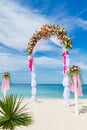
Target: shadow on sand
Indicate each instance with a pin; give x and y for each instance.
(83, 109)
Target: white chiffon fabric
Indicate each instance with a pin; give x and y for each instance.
(66, 83)
(66, 95)
(33, 84)
(38, 45)
(55, 40)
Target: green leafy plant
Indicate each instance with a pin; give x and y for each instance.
(74, 70)
(13, 113)
(6, 75)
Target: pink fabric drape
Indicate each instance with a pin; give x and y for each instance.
(76, 85)
(31, 63)
(5, 84)
(64, 56)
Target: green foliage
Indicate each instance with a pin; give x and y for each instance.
(70, 73)
(12, 114)
(6, 75)
(74, 70)
(46, 31)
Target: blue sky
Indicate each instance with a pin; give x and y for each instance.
(19, 19)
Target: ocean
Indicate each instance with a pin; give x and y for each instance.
(43, 90)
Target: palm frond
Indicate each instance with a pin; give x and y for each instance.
(13, 113)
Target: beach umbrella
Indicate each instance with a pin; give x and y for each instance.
(5, 83)
(76, 84)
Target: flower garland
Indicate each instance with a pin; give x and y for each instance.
(6, 75)
(74, 70)
(47, 31)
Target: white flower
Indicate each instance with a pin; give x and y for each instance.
(75, 68)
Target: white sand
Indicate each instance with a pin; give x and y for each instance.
(50, 114)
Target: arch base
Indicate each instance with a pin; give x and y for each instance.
(33, 99)
(66, 96)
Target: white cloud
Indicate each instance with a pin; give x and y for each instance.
(70, 23)
(17, 24)
(11, 63)
(76, 51)
(81, 12)
(48, 62)
(77, 57)
(82, 65)
(82, 23)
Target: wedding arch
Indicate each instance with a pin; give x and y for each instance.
(59, 36)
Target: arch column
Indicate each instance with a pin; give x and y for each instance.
(45, 32)
(33, 79)
(33, 85)
(66, 92)
(66, 83)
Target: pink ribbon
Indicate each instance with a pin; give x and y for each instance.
(31, 63)
(65, 69)
(5, 84)
(64, 56)
(76, 85)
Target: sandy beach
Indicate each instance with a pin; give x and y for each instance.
(50, 114)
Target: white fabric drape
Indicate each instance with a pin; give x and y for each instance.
(66, 83)
(33, 84)
(55, 40)
(38, 45)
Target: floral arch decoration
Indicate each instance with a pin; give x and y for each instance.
(59, 36)
(47, 31)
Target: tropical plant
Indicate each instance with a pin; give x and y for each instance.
(12, 114)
